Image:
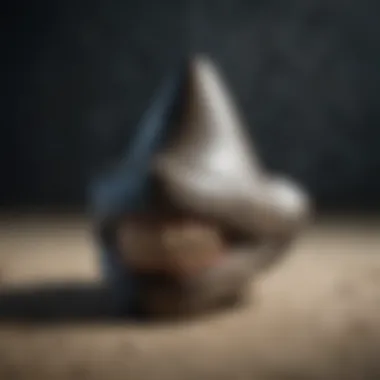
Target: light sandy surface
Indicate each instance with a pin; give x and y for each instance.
(314, 316)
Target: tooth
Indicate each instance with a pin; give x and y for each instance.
(212, 168)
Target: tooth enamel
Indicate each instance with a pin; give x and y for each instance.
(213, 168)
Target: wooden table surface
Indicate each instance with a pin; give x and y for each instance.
(314, 316)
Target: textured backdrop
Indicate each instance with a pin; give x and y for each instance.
(78, 75)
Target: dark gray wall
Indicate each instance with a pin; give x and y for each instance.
(78, 74)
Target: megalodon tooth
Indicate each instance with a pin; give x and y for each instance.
(129, 187)
(211, 165)
(194, 147)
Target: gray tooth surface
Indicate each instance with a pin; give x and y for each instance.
(211, 166)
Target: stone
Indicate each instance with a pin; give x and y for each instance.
(176, 246)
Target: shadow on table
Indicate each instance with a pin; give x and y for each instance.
(59, 304)
(81, 303)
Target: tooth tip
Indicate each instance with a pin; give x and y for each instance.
(199, 61)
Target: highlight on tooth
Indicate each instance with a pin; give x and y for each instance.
(212, 167)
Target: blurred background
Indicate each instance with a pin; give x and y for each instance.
(75, 79)
(77, 76)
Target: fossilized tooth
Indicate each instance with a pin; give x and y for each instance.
(211, 167)
(127, 188)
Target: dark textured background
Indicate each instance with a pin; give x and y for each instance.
(77, 76)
